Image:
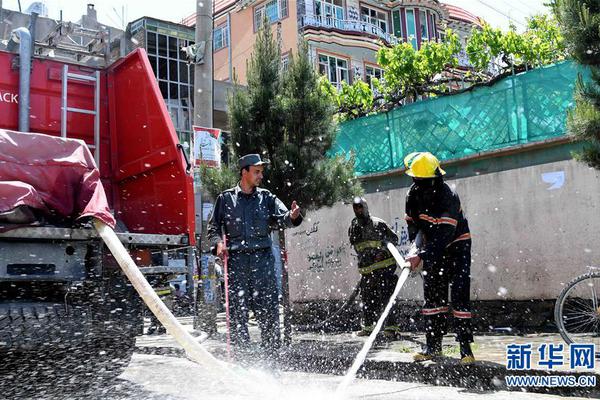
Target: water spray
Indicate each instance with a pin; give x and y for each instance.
(362, 355)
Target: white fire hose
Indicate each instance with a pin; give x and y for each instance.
(193, 349)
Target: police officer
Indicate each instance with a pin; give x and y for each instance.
(245, 214)
(369, 236)
(433, 209)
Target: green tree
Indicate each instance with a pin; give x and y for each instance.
(283, 116)
(411, 73)
(580, 24)
(307, 174)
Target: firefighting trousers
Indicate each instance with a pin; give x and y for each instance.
(452, 271)
(376, 288)
(253, 286)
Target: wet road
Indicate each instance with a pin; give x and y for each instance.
(167, 377)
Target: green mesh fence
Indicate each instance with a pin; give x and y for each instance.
(520, 109)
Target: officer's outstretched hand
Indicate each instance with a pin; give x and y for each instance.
(294, 210)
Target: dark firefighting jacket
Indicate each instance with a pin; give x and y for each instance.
(369, 236)
(247, 219)
(433, 208)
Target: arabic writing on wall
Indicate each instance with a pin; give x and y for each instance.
(330, 258)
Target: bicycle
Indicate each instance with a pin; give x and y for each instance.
(577, 309)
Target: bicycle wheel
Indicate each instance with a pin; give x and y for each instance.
(577, 310)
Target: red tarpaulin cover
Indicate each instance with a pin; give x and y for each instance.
(50, 173)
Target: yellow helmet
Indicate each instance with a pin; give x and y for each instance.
(423, 164)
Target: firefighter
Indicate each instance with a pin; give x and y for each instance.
(245, 214)
(369, 236)
(433, 209)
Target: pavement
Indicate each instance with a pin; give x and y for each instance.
(333, 353)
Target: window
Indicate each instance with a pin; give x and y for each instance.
(423, 25)
(374, 17)
(285, 61)
(175, 79)
(335, 69)
(274, 10)
(372, 72)
(411, 28)
(220, 37)
(330, 12)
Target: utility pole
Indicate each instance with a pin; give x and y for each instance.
(203, 71)
(205, 317)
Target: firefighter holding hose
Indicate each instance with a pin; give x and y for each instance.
(433, 209)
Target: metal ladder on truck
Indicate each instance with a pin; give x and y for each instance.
(65, 109)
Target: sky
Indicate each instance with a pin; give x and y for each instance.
(118, 12)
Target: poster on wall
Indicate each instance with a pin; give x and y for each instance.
(207, 146)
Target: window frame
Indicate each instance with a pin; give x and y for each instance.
(224, 28)
(336, 57)
(376, 18)
(282, 12)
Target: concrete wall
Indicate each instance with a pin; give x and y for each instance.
(534, 228)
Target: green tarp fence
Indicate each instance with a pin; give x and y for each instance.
(517, 110)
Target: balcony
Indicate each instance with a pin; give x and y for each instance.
(354, 26)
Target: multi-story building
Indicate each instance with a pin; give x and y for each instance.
(343, 35)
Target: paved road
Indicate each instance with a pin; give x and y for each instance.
(161, 377)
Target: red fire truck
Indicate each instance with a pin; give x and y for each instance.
(62, 295)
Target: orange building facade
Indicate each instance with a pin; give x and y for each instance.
(343, 35)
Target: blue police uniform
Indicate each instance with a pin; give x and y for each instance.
(247, 220)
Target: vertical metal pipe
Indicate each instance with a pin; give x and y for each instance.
(24, 38)
(63, 114)
(229, 46)
(97, 121)
(32, 24)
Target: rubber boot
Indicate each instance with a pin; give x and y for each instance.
(466, 354)
(431, 350)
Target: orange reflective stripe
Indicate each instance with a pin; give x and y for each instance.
(427, 218)
(438, 221)
(461, 314)
(464, 236)
(433, 311)
(449, 221)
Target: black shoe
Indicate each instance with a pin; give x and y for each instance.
(465, 350)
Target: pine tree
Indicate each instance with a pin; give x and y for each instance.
(580, 23)
(283, 116)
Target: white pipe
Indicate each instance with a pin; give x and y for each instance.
(194, 350)
(362, 355)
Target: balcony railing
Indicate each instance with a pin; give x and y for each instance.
(348, 25)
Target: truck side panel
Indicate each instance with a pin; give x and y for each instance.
(153, 192)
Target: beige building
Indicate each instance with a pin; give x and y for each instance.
(343, 35)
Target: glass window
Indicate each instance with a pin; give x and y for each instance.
(372, 72)
(173, 48)
(183, 72)
(164, 87)
(285, 61)
(152, 60)
(411, 27)
(274, 10)
(220, 37)
(330, 12)
(151, 42)
(423, 24)
(162, 68)
(336, 69)
(162, 45)
(374, 17)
